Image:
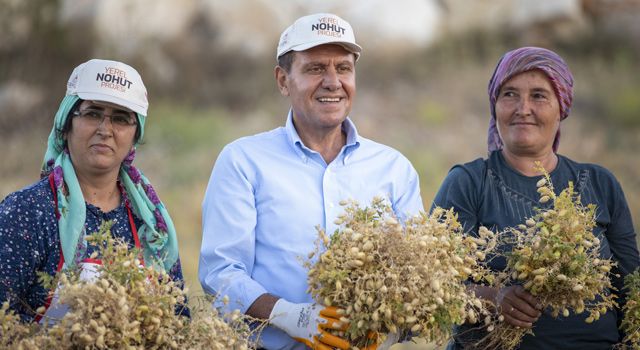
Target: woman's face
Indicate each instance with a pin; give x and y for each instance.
(100, 138)
(528, 114)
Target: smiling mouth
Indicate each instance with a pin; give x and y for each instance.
(329, 99)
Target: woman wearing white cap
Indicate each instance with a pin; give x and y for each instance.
(87, 178)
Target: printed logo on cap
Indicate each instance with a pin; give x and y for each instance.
(114, 78)
(284, 40)
(328, 26)
(73, 82)
(109, 81)
(318, 29)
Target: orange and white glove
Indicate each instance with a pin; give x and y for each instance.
(308, 323)
(389, 341)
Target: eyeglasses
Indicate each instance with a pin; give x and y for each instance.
(96, 117)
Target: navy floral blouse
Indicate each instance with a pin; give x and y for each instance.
(30, 243)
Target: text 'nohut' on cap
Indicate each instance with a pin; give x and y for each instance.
(109, 81)
(318, 29)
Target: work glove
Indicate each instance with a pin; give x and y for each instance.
(389, 341)
(308, 323)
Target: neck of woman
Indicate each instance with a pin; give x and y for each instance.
(525, 163)
(101, 191)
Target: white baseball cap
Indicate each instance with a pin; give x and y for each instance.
(318, 29)
(109, 81)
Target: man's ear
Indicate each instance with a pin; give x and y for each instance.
(282, 79)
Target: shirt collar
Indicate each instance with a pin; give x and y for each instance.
(352, 143)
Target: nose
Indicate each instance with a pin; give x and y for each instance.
(103, 129)
(331, 80)
(104, 118)
(524, 106)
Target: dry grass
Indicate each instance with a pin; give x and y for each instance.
(434, 110)
(390, 278)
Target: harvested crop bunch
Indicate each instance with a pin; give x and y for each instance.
(631, 321)
(11, 329)
(390, 278)
(556, 258)
(129, 306)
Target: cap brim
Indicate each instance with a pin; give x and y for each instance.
(92, 96)
(349, 46)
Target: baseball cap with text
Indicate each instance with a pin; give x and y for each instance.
(109, 81)
(318, 29)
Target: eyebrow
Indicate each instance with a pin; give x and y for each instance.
(319, 63)
(541, 90)
(535, 89)
(102, 108)
(314, 63)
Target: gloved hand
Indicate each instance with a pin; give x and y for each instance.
(307, 323)
(389, 341)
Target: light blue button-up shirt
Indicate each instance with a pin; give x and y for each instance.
(266, 195)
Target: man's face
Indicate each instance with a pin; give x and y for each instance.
(321, 85)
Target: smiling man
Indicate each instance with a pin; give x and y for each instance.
(268, 192)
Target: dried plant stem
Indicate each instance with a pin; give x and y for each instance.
(387, 277)
(555, 257)
(127, 307)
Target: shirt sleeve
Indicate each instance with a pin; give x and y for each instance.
(459, 191)
(621, 235)
(229, 219)
(410, 201)
(20, 258)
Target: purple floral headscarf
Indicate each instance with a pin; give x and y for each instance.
(522, 60)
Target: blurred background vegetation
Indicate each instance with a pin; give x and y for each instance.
(208, 67)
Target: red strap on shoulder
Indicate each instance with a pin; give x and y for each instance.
(132, 224)
(55, 194)
(134, 231)
(55, 200)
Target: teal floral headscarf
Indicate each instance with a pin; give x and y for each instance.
(157, 234)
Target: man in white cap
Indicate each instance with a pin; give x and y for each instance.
(268, 192)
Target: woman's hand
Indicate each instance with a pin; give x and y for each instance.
(519, 307)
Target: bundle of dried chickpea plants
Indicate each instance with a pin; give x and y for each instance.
(631, 320)
(388, 277)
(127, 307)
(555, 257)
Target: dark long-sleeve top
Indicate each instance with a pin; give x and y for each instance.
(30, 243)
(492, 194)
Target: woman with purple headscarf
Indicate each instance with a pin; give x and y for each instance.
(530, 93)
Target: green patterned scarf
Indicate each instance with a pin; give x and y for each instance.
(157, 234)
